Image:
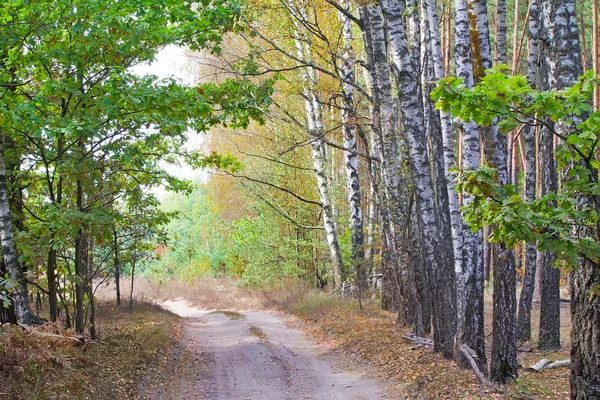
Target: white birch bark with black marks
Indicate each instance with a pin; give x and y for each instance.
(384, 120)
(347, 71)
(526, 297)
(435, 247)
(373, 140)
(470, 312)
(549, 333)
(430, 13)
(20, 295)
(565, 67)
(314, 116)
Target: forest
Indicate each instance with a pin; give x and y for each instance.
(433, 158)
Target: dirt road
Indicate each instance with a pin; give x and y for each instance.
(256, 355)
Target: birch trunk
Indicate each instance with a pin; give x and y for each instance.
(433, 125)
(434, 245)
(549, 334)
(20, 296)
(316, 131)
(470, 315)
(500, 42)
(503, 365)
(480, 38)
(565, 66)
(435, 46)
(562, 51)
(350, 155)
(526, 298)
(391, 168)
(374, 135)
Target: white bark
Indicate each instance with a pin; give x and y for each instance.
(470, 316)
(314, 116)
(350, 154)
(442, 271)
(9, 251)
(435, 44)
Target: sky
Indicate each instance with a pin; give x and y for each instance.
(172, 61)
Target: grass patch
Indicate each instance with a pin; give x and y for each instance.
(259, 333)
(130, 349)
(232, 315)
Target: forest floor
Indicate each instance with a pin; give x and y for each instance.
(372, 340)
(127, 360)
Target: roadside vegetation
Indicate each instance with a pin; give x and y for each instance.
(125, 362)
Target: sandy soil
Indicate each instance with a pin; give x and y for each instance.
(257, 355)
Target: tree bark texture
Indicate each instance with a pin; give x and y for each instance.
(470, 299)
(434, 245)
(12, 265)
(526, 298)
(350, 155)
(314, 116)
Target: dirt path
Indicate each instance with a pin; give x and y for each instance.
(256, 355)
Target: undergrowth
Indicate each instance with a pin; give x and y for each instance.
(129, 350)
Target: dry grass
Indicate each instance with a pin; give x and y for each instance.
(418, 373)
(259, 333)
(216, 293)
(232, 315)
(130, 349)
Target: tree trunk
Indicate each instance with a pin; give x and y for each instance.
(503, 365)
(133, 262)
(117, 268)
(480, 38)
(89, 281)
(7, 314)
(585, 335)
(525, 301)
(20, 295)
(81, 251)
(316, 131)
(431, 17)
(470, 305)
(500, 42)
(351, 158)
(565, 67)
(394, 196)
(434, 245)
(374, 135)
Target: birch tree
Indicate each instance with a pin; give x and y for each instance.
(315, 127)
(470, 311)
(13, 267)
(434, 245)
(529, 133)
(347, 71)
